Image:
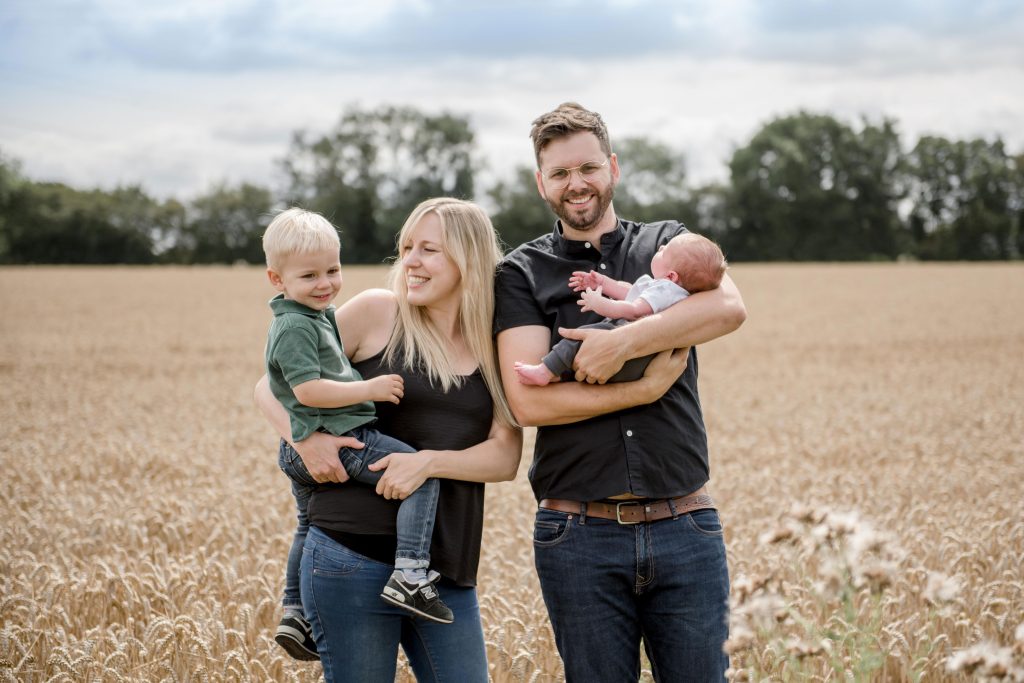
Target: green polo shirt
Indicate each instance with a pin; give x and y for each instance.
(304, 344)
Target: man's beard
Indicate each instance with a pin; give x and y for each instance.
(585, 221)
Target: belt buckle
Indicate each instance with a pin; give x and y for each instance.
(618, 512)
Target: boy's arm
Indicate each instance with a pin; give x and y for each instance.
(327, 393)
(566, 402)
(591, 300)
(707, 315)
(319, 451)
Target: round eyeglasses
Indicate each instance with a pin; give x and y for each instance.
(559, 177)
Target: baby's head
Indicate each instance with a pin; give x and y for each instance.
(302, 257)
(693, 262)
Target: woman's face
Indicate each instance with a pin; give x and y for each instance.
(431, 278)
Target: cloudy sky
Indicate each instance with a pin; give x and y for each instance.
(180, 95)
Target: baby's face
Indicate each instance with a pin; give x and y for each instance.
(664, 262)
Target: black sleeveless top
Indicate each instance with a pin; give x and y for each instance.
(426, 419)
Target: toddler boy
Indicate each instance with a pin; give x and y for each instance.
(310, 375)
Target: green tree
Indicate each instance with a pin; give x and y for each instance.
(653, 182)
(966, 198)
(225, 225)
(520, 214)
(369, 171)
(808, 187)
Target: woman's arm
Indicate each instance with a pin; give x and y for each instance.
(494, 459)
(319, 451)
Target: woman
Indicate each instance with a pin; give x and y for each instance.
(433, 327)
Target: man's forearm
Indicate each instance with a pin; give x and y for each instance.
(568, 402)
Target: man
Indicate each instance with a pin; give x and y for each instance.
(627, 544)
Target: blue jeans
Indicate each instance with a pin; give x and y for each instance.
(357, 634)
(415, 523)
(607, 586)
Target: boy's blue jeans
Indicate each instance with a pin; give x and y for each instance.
(415, 523)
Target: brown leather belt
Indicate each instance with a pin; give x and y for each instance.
(634, 511)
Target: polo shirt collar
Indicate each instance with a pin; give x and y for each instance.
(279, 305)
(576, 248)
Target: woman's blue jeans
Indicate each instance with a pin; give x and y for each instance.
(608, 586)
(415, 523)
(357, 633)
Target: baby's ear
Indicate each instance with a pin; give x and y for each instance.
(672, 276)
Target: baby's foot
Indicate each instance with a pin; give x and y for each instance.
(535, 375)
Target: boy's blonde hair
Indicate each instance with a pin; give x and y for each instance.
(297, 231)
(469, 240)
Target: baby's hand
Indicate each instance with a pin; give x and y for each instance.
(588, 299)
(387, 388)
(581, 280)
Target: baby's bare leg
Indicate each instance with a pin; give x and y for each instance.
(534, 375)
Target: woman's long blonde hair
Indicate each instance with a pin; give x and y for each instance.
(469, 240)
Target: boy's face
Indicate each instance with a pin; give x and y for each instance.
(312, 280)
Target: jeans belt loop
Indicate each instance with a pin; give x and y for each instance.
(672, 507)
(583, 512)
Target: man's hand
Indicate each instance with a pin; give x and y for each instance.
(581, 280)
(663, 371)
(404, 473)
(386, 388)
(599, 356)
(319, 453)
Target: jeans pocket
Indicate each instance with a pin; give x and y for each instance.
(705, 522)
(332, 560)
(550, 527)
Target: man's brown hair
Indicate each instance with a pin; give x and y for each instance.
(566, 119)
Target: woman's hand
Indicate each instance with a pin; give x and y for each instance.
(319, 453)
(404, 473)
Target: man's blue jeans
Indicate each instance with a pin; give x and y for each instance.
(415, 522)
(357, 634)
(607, 586)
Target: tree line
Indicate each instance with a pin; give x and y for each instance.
(806, 187)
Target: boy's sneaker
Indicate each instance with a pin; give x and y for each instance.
(419, 598)
(296, 637)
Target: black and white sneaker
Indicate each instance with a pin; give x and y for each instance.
(296, 637)
(421, 598)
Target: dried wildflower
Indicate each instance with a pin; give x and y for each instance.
(941, 589)
(986, 660)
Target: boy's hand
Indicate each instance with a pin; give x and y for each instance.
(590, 300)
(387, 388)
(582, 280)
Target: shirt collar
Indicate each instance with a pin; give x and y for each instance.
(279, 305)
(570, 247)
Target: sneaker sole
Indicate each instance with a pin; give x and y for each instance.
(410, 608)
(291, 641)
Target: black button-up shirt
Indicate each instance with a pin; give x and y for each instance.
(657, 450)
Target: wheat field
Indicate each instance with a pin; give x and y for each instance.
(866, 429)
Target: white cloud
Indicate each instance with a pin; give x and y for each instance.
(178, 96)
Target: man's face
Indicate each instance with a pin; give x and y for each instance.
(582, 203)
